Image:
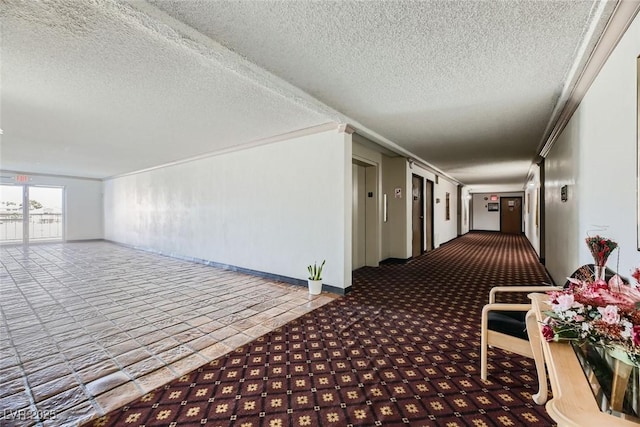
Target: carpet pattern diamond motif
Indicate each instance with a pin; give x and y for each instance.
(401, 349)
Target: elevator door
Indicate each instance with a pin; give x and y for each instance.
(359, 218)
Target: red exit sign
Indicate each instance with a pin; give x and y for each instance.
(22, 178)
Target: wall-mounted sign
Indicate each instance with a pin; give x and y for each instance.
(494, 198)
(22, 178)
(493, 207)
(564, 196)
(398, 193)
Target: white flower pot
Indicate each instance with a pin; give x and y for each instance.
(315, 286)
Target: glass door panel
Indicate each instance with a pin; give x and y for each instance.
(45, 213)
(11, 213)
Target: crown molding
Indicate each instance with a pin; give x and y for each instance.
(622, 16)
(345, 128)
(252, 144)
(54, 175)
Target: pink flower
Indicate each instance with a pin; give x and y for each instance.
(609, 314)
(636, 335)
(615, 282)
(564, 302)
(548, 334)
(599, 292)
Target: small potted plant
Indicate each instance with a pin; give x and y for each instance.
(315, 278)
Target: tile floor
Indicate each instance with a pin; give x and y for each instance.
(87, 327)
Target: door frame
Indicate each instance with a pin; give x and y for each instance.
(373, 208)
(421, 215)
(429, 212)
(26, 215)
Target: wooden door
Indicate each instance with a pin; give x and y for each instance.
(511, 215)
(417, 216)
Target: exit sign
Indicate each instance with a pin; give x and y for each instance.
(22, 178)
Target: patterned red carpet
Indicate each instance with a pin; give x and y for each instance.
(402, 349)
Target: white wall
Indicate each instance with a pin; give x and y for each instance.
(465, 216)
(82, 204)
(482, 218)
(445, 230)
(531, 210)
(596, 157)
(561, 218)
(274, 208)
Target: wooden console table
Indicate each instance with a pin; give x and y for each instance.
(573, 402)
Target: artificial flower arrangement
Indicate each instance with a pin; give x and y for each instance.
(606, 314)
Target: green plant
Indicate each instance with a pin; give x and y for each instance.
(315, 272)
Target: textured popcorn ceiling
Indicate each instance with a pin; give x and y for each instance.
(107, 88)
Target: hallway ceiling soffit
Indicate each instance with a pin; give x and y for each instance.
(105, 88)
